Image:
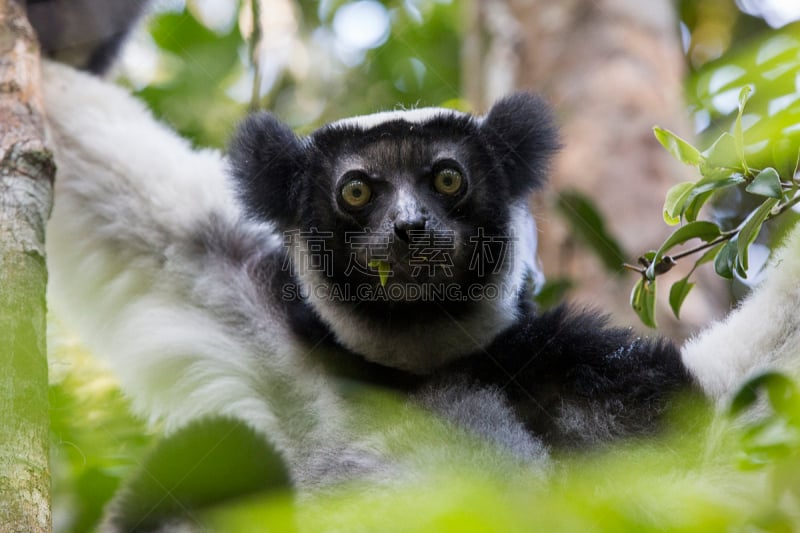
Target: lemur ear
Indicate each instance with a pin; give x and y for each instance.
(522, 133)
(267, 160)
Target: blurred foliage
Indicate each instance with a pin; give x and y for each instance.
(586, 221)
(712, 28)
(200, 65)
(769, 65)
(96, 442)
(201, 82)
(205, 463)
(552, 292)
(737, 474)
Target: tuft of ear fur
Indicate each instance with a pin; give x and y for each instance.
(521, 130)
(267, 160)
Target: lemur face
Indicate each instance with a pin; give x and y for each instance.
(408, 232)
(407, 197)
(401, 198)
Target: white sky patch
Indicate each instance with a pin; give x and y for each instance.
(361, 25)
(724, 76)
(139, 60)
(702, 120)
(781, 103)
(726, 101)
(755, 148)
(686, 37)
(216, 15)
(164, 6)
(776, 13)
(775, 47)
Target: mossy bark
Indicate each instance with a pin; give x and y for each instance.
(26, 174)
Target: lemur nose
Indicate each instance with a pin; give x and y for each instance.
(403, 226)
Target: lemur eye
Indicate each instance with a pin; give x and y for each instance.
(448, 181)
(356, 193)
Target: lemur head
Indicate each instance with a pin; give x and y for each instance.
(400, 221)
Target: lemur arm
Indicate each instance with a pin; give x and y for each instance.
(154, 267)
(578, 382)
(763, 333)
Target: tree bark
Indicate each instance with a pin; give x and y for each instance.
(26, 175)
(613, 69)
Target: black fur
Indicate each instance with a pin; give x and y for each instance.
(84, 33)
(575, 381)
(523, 135)
(267, 163)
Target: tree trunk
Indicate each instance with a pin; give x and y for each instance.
(613, 69)
(26, 174)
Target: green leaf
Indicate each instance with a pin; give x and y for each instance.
(201, 464)
(779, 388)
(710, 254)
(714, 181)
(744, 95)
(680, 149)
(785, 156)
(194, 77)
(384, 269)
(553, 292)
(703, 230)
(751, 229)
(766, 183)
(643, 301)
(680, 289)
(676, 200)
(677, 294)
(722, 154)
(695, 204)
(649, 256)
(710, 184)
(770, 440)
(587, 222)
(726, 258)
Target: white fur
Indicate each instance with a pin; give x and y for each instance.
(763, 333)
(418, 116)
(526, 245)
(186, 332)
(486, 412)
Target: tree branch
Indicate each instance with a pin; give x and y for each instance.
(26, 175)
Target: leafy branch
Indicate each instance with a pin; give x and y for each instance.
(722, 166)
